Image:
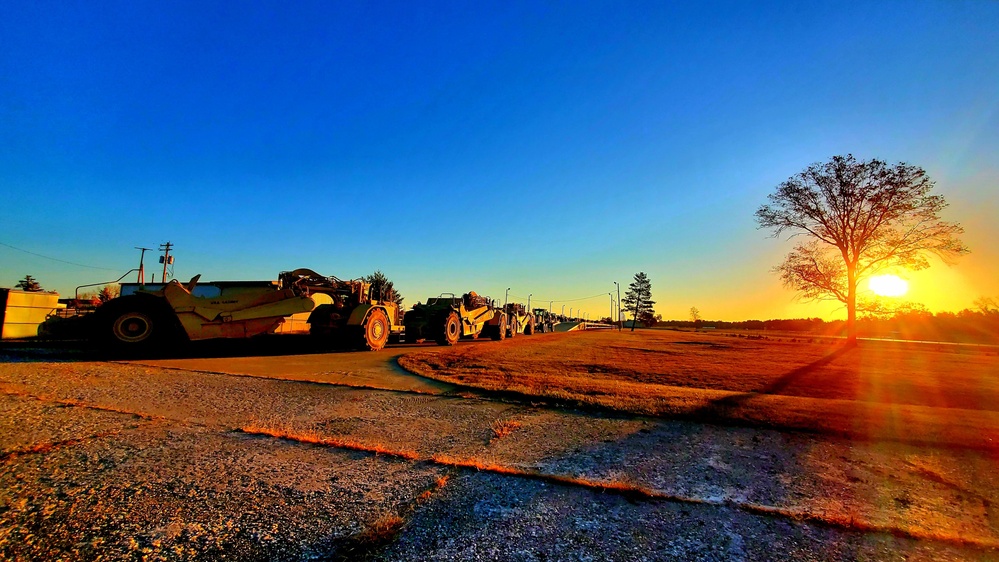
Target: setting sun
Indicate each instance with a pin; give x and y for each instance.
(888, 285)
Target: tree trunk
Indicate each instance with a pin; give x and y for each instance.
(634, 318)
(851, 308)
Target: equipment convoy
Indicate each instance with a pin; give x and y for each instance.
(354, 316)
(544, 320)
(300, 301)
(446, 319)
(521, 320)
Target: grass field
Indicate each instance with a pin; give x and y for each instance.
(879, 390)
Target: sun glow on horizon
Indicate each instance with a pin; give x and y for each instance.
(888, 285)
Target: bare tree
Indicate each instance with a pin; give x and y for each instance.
(859, 219)
(695, 315)
(987, 304)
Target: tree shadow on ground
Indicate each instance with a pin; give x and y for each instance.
(775, 387)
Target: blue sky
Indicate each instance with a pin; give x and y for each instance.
(549, 148)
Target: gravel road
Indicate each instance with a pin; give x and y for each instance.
(150, 460)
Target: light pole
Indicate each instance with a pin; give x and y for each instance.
(550, 303)
(611, 317)
(618, 305)
(142, 270)
(563, 311)
(506, 297)
(570, 312)
(529, 301)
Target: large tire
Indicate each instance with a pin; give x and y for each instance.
(450, 330)
(514, 328)
(529, 328)
(375, 331)
(135, 325)
(499, 330)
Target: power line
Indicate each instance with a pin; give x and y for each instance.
(56, 259)
(539, 299)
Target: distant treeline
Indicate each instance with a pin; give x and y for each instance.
(967, 326)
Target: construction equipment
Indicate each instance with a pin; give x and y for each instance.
(544, 320)
(521, 320)
(448, 318)
(300, 301)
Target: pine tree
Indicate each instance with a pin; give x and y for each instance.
(638, 299)
(383, 289)
(29, 284)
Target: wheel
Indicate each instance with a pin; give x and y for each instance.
(529, 328)
(450, 331)
(498, 332)
(375, 330)
(514, 328)
(133, 327)
(131, 324)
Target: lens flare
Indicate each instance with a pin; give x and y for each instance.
(888, 285)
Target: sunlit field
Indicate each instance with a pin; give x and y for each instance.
(878, 390)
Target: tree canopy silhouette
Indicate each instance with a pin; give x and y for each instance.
(383, 289)
(860, 218)
(638, 299)
(29, 283)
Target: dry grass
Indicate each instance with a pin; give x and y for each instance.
(382, 530)
(878, 390)
(438, 486)
(385, 529)
(282, 430)
(502, 428)
(43, 448)
(10, 391)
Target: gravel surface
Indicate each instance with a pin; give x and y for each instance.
(125, 461)
(490, 517)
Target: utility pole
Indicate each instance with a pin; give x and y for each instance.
(618, 306)
(166, 259)
(611, 316)
(142, 270)
(529, 301)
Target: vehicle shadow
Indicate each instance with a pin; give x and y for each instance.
(41, 350)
